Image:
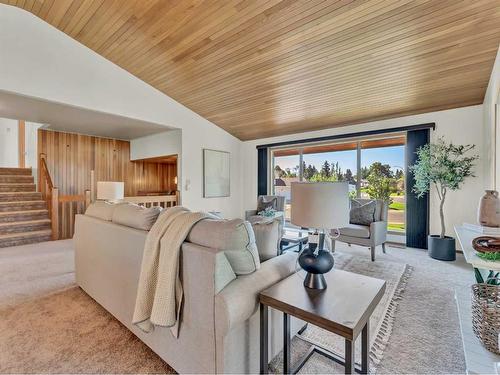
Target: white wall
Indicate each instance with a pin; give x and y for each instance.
(9, 155)
(43, 62)
(162, 144)
(9, 142)
(31, 144)
(461, 126)
(492, 125)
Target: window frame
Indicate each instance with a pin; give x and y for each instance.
(359, 140)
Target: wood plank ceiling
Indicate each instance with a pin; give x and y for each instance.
(262, 68)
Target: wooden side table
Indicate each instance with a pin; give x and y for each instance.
(343, 308)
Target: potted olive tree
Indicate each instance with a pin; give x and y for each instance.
(445, 167)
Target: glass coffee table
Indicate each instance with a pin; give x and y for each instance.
(293, 238)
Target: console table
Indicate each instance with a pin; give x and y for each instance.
(465, 237)
(343, 308)
(477, 358)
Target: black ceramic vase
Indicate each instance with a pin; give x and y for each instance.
(316, 263)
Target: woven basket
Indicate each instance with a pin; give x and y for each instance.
(486, 315)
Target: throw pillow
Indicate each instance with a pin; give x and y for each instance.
(101, 210)
(234, 237)
(135, 216)
(267, 238)
(263, 204)
(362, 213)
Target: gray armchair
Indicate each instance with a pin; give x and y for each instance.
(371, 235)
(275, 201)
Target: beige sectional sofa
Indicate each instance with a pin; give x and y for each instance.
(219, 331)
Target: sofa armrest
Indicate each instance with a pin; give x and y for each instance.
(378, 232)
(239, 300)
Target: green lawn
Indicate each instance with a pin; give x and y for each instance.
(396, 226)
(398, 194)
(397, 206)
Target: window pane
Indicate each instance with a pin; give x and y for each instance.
(331, 163)
(286, 170)
(382, 177)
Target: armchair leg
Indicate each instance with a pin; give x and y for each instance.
(372, 249)
(333, 245)
(383, 247)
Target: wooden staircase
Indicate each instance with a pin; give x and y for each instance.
(24, 217)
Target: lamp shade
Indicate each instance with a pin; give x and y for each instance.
(110, 190)
(320, 205)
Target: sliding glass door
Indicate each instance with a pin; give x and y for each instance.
(374, 168)
(285, 170)
(333, 162)
(383, 177)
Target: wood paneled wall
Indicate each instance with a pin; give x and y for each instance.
(71, 157)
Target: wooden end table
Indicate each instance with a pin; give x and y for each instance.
(343, 308)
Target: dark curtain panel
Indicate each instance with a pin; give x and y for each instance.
(417, 209)
(262, 166)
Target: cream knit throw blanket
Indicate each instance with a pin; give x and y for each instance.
(159, 295)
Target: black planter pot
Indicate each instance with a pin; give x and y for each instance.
(442, 248)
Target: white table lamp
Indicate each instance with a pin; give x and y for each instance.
(111, 191)
(320, 206)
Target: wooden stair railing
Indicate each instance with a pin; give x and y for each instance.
(50, 194)
(155, 200)
(142, 200)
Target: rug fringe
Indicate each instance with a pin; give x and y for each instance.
(385, 327)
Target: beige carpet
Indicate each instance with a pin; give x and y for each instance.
(48, 325)
(32, 271)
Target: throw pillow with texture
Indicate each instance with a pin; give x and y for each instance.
(362, 213)
(101, 210)
(135, 216)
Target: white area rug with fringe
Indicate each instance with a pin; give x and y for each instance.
(381, 322)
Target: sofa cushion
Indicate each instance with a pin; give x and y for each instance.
(362, 213)
(235, 237)
(355, 230)
(101, 210)
(135, 216)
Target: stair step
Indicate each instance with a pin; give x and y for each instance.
(22, 205)
(16, 187)
(15, 239)
(11, 216)
(12, 178)
(24, 226)
(16, 171)
(20, 196)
